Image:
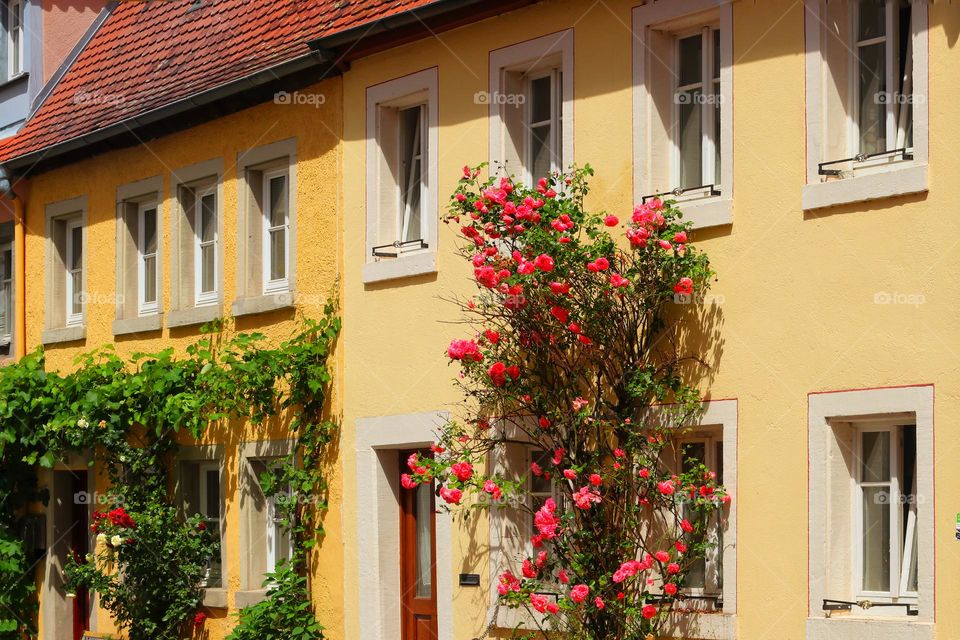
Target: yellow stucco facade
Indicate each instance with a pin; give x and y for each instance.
(806, 302)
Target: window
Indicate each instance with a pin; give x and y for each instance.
(196, 269)
(885, 538)
(12, 13)
(706, 577)
(266, 228)
(276, 231)
(6, 299)
(871, 513)
(402, 177)
(274, 540)
(205, 255)
(65, 265)
(541, 488)
(866, 99)
(531, 106)
(74, 272)
(697, 116)
(200, 491)
(209, 473)
(147, 258)
(683, 82)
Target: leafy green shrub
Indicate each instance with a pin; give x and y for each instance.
(286, 613)
(17, 602)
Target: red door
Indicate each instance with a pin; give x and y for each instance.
(418, 560)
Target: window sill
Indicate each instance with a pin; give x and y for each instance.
(896, 181)
(143, 324)
(263, 304)
(64, 334)
(215, 598)
(707, 212)
(414, 264)
(872, 628)
(194, 315)
(248, 598)
(712, 625)
(20, 77)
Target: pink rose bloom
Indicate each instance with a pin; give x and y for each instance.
(451, 496)
(462, 470)
(579, 593)
(544, 263)
(407, 481)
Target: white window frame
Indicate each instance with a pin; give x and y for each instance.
(879, 178)
(145, 307)
(209, 297)
(653, 23)
(202, 469)
(555, 74)
(279, 284)
(6, 290)
(831, 490)
(713, 559)
(384, 193)
(707, 113)
(275, 531)
(423, 142)
(14, 35)
(73, 319)
(898, 591)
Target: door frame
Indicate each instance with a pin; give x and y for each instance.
(378, 443)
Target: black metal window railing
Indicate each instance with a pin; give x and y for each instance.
(824, 170)
(717, 600)
(384, 250)
(847, 605)
(708, 189)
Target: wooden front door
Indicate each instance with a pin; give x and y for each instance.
(79, 543)
(418, 560)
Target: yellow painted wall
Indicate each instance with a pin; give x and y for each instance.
(316, 129)
(798, 310)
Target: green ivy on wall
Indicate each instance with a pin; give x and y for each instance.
(126, 415)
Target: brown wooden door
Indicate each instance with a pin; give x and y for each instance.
(418, 560)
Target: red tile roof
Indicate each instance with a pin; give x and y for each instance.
(150, 54)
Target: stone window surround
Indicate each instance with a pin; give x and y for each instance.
(703, 212)
(414, 263)
(901, 178)
(213, 597)
(378, 443)
(55, 329)
(251, 590)
(722, 414)
(185, 312)
(146, 190)
(249, 222)
(824, 409)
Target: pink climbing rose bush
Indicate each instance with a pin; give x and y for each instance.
(577, 351)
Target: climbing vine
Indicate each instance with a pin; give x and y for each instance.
(126, 415)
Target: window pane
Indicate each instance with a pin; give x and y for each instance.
(424, 541)
(873, 19)
(540, 151)
(716, 54)
(412, 174)
(692, 454)
(876, 539)
(540, 99)
(875, 463)
(207, 264)
(690, 136)
(540, 484)
(278, 254)
(149, 231)
(76, 255)
(691, 60)
(76, 303)
(150, 279)
(212, 493)
(872, 73)
(208, 218)
(278, 201)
